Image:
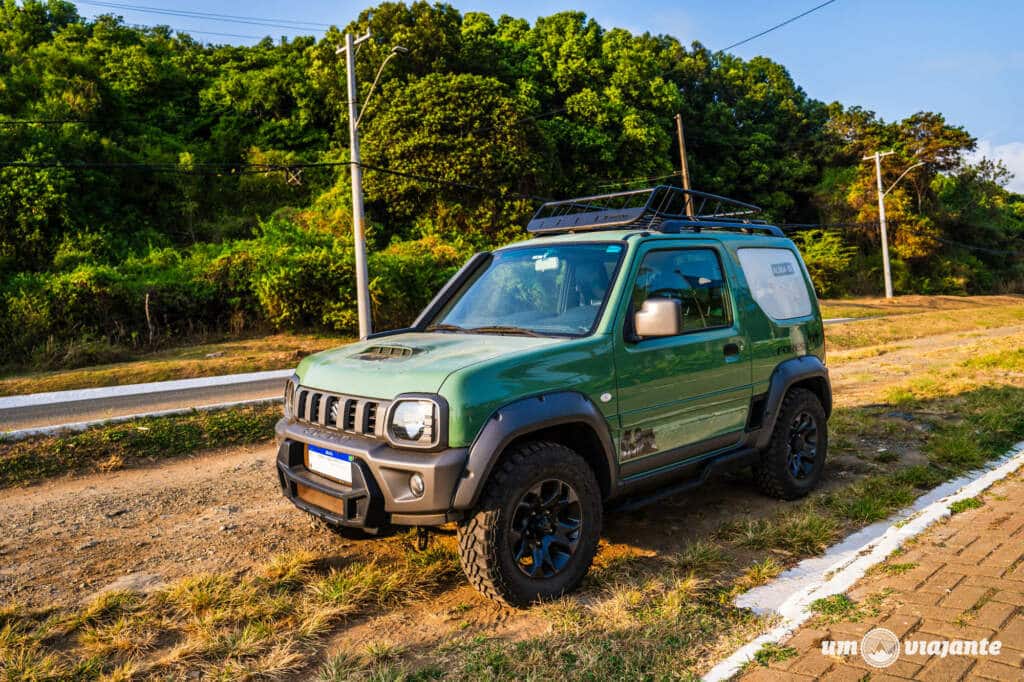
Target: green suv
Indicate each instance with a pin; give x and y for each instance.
(636, 344)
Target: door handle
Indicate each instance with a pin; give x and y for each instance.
(731, 350)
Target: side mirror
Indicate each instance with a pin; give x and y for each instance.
(658, 317)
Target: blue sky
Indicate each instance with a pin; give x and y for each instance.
(963, 59)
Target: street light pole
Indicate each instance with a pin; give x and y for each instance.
(877, 156)
(362, 277)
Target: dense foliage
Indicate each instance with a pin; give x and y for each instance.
(137, 213)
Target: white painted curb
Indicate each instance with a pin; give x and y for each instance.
(77, 427)
(58, 397)
(842, 574)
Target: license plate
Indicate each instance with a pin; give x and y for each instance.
(330, 463)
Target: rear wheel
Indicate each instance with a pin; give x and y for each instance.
(792, 464)
(537, 526)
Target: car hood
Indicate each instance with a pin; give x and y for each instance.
(406, 363)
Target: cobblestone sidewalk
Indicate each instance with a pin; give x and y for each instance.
(962, 579)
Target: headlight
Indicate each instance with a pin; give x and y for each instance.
(289, 395)
(413, 423)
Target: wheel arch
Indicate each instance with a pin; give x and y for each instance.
(807, 372)
(568, 418)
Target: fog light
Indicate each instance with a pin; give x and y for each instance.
(416, 485)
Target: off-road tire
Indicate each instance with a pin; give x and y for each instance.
(484, 543)
(772, 473)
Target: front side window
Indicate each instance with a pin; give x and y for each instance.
(544, 290)
(691, 276)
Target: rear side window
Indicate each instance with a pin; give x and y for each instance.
(691, 276)
(776, 282)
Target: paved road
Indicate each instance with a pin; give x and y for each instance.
(65, 407)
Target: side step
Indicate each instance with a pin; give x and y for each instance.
(731, 460)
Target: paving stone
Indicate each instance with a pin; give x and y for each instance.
(808, 638)
(811, 663)
(993, 614)
(947, 630)
(843, 673)
(945, 669)
(944, 580)
(1009, 597)
(766, 675)
(993, 670)
(963, 597)
(901, 624)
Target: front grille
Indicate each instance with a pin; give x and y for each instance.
(344, 413)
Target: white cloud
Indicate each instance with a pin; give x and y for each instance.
(1011, 154)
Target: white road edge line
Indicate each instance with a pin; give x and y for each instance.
(76, 427)
(844, 573)
(56, 397)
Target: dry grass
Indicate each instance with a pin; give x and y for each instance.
(267, 623)
(903, 305)
(278, 351)
(902, 327)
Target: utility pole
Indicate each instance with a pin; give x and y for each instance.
(877, 156)
(684, 169)
(362, 278)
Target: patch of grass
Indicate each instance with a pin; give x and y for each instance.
(758, 573)
(1012, 360)
(871, 499)
(892, 569)
(115, 445)
(702, 556)
(835, 608)
(803, 532)
(965, 504)
(266, 623)
(774, 653)
(840, 608)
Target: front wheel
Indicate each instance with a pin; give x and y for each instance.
(537, 526)
(792, 464)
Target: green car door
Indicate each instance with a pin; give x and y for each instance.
(685, 395)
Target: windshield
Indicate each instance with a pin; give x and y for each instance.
(556, 290)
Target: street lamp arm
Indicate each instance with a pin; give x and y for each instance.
(394, 51)
(895, 182)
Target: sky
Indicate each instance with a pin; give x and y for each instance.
(895, 57)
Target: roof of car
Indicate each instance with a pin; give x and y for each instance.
(726, 236)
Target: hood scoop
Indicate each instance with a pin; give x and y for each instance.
(386, 353)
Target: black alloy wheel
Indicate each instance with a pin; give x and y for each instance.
(545, 528)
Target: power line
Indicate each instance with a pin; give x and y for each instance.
(777, 26)
(210, 16)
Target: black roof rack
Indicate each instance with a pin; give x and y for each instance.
(662, 208)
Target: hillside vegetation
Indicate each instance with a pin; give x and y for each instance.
(166, 188)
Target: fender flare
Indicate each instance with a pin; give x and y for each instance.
(787, 374)
(520, 418)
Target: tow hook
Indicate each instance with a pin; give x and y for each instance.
(422, 538)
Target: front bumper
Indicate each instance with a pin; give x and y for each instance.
(379, 494)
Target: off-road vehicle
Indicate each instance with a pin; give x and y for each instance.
(637, 343)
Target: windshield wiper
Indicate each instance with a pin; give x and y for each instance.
(503, 329)
(447, 328)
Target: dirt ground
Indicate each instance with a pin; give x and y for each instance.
(64, 540)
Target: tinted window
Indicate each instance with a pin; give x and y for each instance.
(691, 276)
